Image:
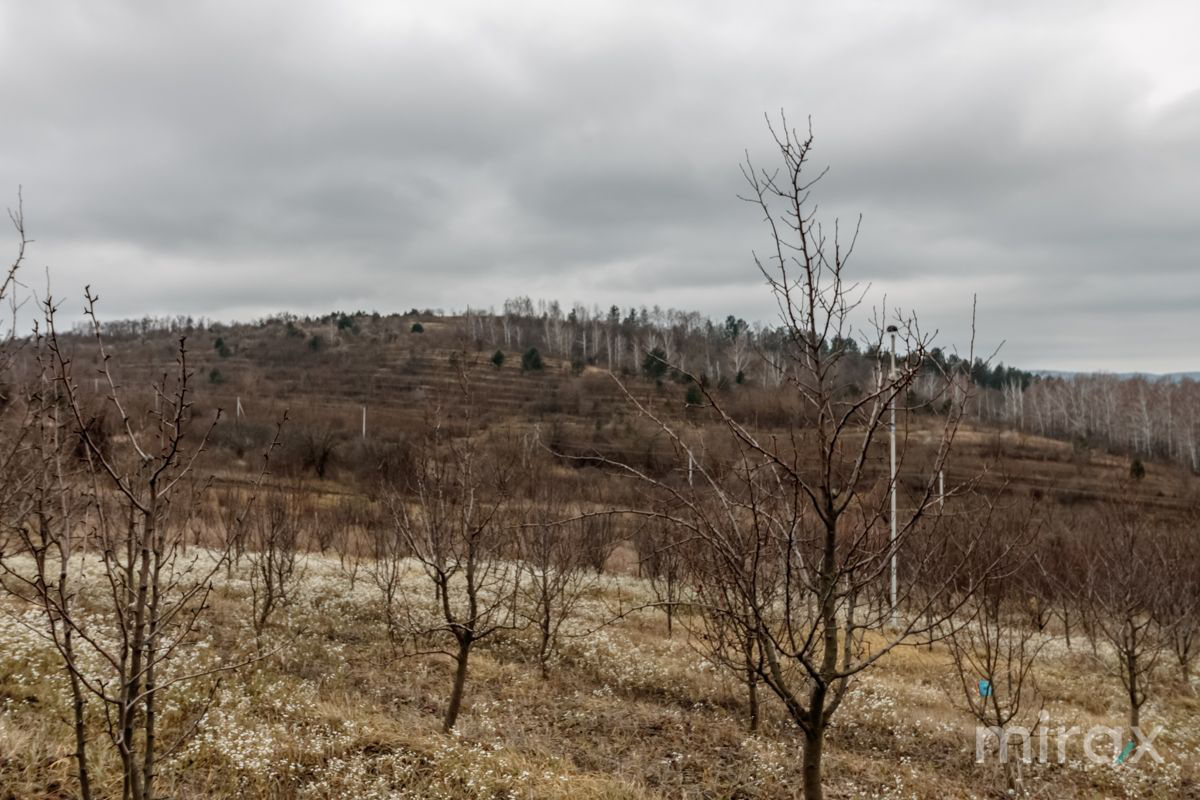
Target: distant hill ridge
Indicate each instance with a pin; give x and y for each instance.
(1172, 377)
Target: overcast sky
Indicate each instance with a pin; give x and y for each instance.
(236, 159)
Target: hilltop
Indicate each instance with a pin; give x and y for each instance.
(400, 368)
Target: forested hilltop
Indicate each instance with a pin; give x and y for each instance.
(355, 354)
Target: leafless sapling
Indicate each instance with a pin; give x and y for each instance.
(276, 533)
(1117, 597)
(554, 557)
(994, 650)
(452, 516)
(138, 498)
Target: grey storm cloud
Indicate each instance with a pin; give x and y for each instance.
(235, 159)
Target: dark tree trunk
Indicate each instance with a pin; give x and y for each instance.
(544, 644)
(752, 690)
(85, 783)
(460, 681)
(1135, 698)
(752, 685)
(813, 744)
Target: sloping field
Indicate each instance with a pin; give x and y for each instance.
(332, 711)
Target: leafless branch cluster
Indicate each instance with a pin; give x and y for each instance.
(74, 503)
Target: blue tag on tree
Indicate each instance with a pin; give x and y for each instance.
(985, 688)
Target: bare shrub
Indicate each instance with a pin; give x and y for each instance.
(598, 537)
(277, 528)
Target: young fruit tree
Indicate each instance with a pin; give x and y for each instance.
(102, 554)
(789, 541)
(1119, 597)
(277, 530)
(1177, 602)
(994, 654)
(39, 512)
(451, 515)
(554, 557)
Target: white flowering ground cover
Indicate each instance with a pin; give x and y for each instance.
(334, 710)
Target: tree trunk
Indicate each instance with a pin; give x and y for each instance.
(460, 680)
(752, 693)
(1135, 707)
(545, 631)
(751, 684)
(1014, 780)
(813, 743)
(85, 784)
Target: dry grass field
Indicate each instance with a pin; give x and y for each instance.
(329, 710)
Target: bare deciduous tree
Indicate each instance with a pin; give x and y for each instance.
(130, 504)
(1177, 599)
(42, 517)
(276, 532)
(1117, 597)
(354, 521)
(387, 568)
(661, 563)
(796, 531)
(554, 556)
(15, 416)
(451, 517)
(994, 652)
(599, 539)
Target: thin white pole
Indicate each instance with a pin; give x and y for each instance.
(239, 407)
(364, 420)
(690, 462)
(892, 538)
(941, 489)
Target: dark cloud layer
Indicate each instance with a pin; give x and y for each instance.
(233, 159)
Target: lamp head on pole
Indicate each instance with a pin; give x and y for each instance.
(892, 329)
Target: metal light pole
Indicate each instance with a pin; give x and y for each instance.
(892, 538)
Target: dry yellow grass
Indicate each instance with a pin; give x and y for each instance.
(626, 713)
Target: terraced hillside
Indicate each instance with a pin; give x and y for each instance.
(325, 378)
